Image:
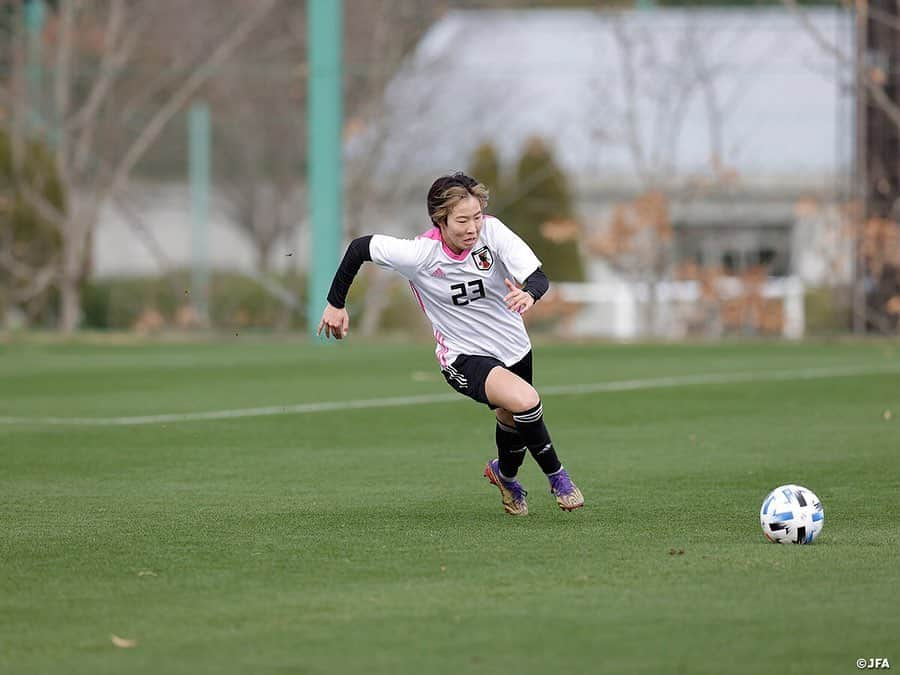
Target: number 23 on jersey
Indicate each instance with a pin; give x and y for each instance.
(464, 293)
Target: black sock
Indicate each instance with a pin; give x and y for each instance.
(510, 450)
(531, 427)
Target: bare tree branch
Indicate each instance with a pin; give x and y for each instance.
(115, 55)
(127, 204)
(110, 57)
(41, 205)
(17, 90)
(883, 17)
(875, 88)
(27, 282)
(706, 77)
(62, 84)
(187, 89)
(629, 79)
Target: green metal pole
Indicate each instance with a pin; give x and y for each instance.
(324, 124)
(198, 168)
(34, 25)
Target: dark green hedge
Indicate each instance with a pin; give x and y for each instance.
(235, 301)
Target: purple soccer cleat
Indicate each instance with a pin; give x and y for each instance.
(512, 492)
(568, 496)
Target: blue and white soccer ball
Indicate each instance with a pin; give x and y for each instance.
(791, 514)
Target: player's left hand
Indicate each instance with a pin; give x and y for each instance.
(517, 300)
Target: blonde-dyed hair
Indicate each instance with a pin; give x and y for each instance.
(448, 191)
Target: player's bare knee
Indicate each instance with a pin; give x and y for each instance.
(505, 417)
(525, 399)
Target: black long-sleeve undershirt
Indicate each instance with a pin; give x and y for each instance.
(536, 284)
(358, 252)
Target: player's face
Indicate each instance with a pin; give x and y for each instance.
(463, 225)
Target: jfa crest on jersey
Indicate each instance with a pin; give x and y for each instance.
(462, 293)
(483, 258)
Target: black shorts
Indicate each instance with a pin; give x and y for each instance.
(467, 374)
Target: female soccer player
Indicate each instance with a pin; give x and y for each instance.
(462, 272)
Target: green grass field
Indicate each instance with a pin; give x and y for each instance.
(366, 540)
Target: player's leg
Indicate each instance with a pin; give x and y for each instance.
(511, 449)
(466, 375)
(502, 471)
(509, 391)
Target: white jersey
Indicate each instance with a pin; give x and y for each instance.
(462, 295)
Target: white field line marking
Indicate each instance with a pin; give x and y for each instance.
(400, 401)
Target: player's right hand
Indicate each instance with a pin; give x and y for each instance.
(336, 322)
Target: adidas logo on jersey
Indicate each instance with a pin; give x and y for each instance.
(438, 273)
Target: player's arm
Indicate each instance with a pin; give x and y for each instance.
(335, 319)
(529, 283)
(400, 255)
(522, 299)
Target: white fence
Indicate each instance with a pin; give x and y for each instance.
(621, 310)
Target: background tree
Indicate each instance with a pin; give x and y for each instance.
(30, 246)
(486, 168)
(260, 133)
(870, 64)
(117, 73)
(539, 206)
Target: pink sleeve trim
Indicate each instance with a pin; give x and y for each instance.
(442, 348)
(418, 297)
